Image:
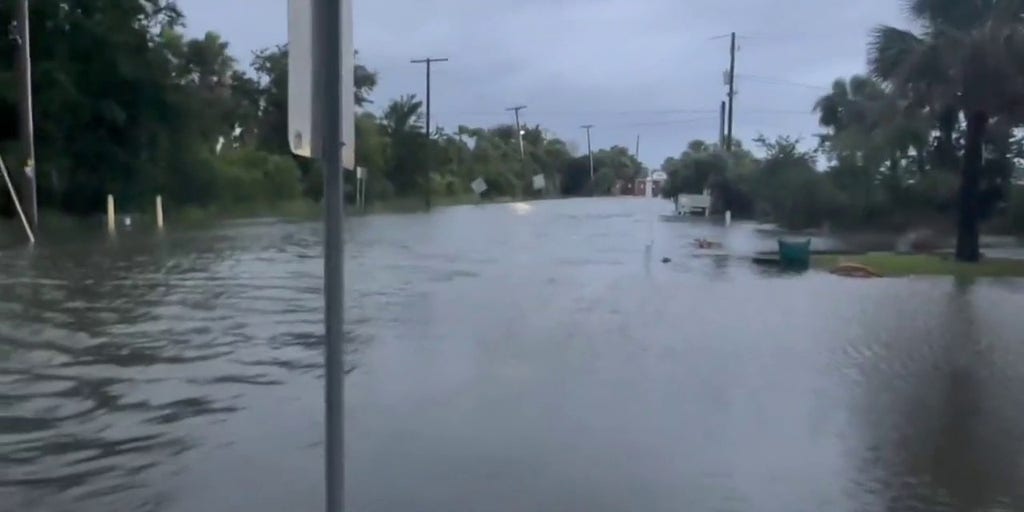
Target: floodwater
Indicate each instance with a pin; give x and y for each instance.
(519, 357)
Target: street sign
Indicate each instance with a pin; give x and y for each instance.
(478, 186)
(538, 182)
(302, 135)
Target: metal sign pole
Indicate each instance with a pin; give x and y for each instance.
(327, 113)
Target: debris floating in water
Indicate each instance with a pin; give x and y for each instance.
(854, 270)
(704, 243)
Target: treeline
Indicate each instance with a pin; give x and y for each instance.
(126, 104)
(932, 132)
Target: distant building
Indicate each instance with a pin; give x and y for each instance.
(651, 185)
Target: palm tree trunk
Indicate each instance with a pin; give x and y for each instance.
(946, 151)
(967, 227)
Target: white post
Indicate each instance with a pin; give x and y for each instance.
(361, 187)
(728, 218)
(111, 225)
(17, 203)
(159, 212)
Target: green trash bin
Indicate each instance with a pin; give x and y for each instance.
(795, 255)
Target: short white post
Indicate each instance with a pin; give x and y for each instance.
(111, 225)
(159, 212)
(728, 218)
(17, 204)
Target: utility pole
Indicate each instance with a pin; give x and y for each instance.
(27, 125)
(636, 155)
(590, 152)
(519, 130)
(427, 168)
(732, 88)
(721, 126)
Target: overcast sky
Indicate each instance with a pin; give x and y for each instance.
(651, 68)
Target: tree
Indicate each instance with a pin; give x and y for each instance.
(969, 59)
(403, 126)
(872, 133)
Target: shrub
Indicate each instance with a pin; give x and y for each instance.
(247, 176)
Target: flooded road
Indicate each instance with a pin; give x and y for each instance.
(503, 358)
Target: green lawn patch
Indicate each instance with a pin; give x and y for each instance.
(901, 265)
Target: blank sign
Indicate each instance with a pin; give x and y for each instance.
(301, 133)
(538, 182)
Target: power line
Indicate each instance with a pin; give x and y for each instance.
(670, 122)
(781, 81)
(653, 112)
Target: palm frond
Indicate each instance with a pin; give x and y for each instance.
(889, 51)
(958, 14)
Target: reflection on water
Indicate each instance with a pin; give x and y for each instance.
(505, 357)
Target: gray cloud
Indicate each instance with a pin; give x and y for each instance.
(630, 67)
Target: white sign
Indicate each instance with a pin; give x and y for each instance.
(300, 81)
(478, 186)
(538, 182)
(348, 88)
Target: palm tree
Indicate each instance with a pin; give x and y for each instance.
(969, 60)
(402, 122)
(872, 130)
(403, 115)
(365, 82)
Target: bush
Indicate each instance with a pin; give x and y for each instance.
(378, 188)
(604, 180)
(501, 184)
(248, 176)
(446, 185)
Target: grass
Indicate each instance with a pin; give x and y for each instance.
(902, 265)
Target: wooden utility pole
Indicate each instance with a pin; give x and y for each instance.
(519, 130)
(732, 88)
(721, 125)
(429, 164)
(28, 189)
(590, 152)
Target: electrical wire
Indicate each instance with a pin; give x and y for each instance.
(768, 80)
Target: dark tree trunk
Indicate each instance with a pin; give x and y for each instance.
(967, 226)
(946, 152)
